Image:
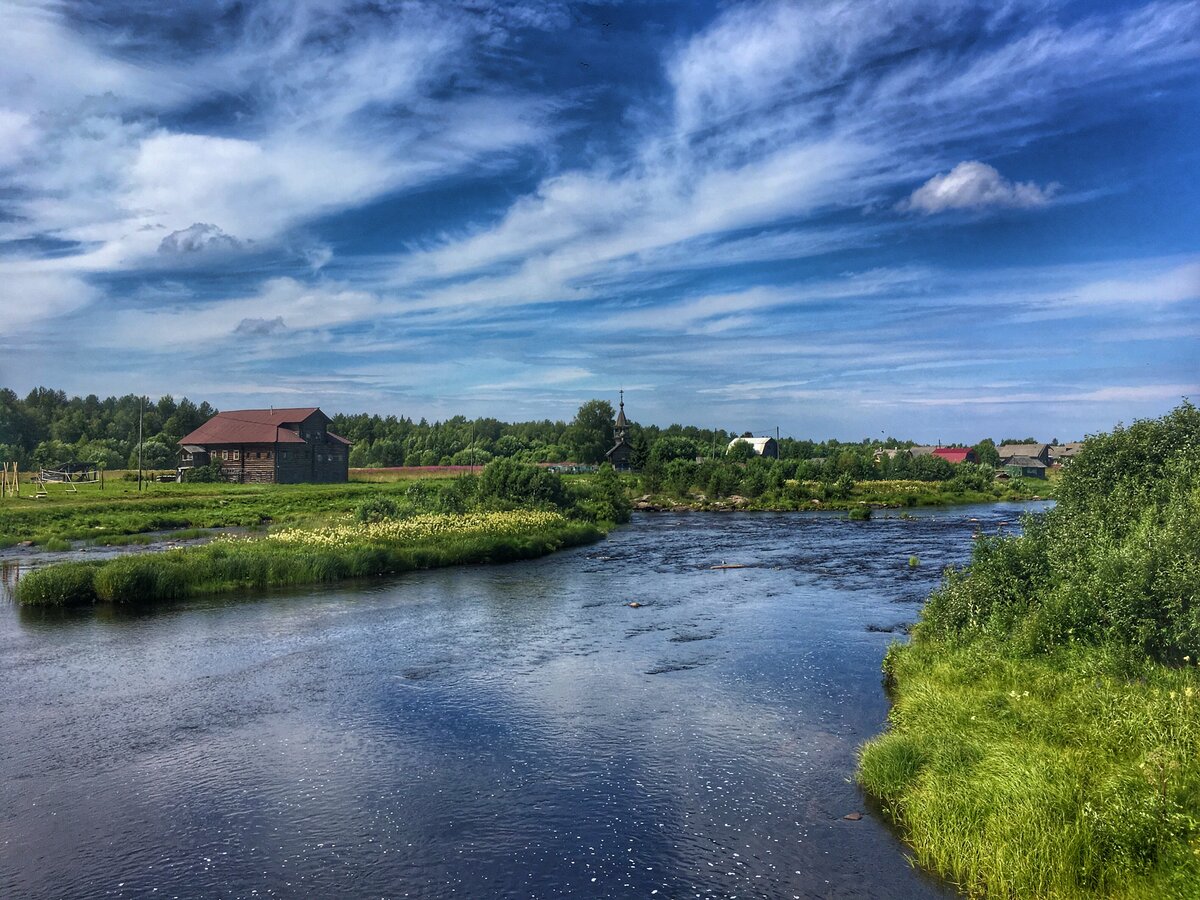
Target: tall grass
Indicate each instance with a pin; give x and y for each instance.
(1045, 734)
(297, 558)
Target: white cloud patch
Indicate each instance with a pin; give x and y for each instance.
(976, 185)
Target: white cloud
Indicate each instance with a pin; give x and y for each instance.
(30, 296)
(1176, 285)
(976, 185)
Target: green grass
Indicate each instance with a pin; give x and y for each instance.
(98, 516)
(1068, 775)
(1045, 731)
(229, 566)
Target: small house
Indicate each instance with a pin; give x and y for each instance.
(269, 446)
(1023, 467)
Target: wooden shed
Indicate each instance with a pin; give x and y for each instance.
(269, 446)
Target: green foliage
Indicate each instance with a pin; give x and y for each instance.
(506, 484)
(604, 498)
(224, 567)
(1045, 737)
(376, 509)
(860, 513)
(1072, 775)
(740, 451)
(208, 473)
(987, 454)
(591, 432)
(1118, 559)
(64, 584)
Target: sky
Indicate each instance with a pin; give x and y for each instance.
(931, 219)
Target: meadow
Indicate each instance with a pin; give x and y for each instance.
(305, 534)
(1044, 739)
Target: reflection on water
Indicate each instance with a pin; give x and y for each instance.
(508, 731)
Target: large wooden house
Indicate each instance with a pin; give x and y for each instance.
(272, 446)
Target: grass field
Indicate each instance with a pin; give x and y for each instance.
(119, 511)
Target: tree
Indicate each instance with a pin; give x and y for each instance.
(987, 454)
(591, 432)
(740, 451)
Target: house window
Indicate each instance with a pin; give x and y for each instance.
(237, 454)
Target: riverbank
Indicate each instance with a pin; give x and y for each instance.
(1044, 738)
(301, 557)
(812, 495)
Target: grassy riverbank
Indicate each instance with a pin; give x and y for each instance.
(894, 494)
(320, 533)
(1045, 733)
(299, 557)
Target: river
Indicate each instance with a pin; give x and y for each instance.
(508, 731)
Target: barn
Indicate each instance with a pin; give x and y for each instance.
(269, 446)
(762, 446)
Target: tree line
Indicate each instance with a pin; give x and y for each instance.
(47, 428)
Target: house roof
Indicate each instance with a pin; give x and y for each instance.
(253, 426)
(1007, 450)
(758, 443)
(953, 454)
(1025, 462)
(924, 450)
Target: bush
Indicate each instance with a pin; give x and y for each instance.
(206, 474)
(507, 484)
(376, 509)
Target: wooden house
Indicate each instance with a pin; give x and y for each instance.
(269, 446)
(1023, 467)
(1040, 452)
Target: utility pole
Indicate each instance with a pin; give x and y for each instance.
(141, 410)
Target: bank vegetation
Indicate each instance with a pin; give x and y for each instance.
(1045, 732)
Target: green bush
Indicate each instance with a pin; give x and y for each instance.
(1118, 559)
(376, 509)
(508, 484)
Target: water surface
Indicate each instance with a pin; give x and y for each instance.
(512, 731)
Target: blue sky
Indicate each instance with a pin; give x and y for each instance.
(933, 219)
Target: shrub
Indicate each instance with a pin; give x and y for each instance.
(506, 483)
(376, 508)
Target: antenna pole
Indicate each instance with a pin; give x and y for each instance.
(141, 410)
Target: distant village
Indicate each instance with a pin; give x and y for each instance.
(48, 431)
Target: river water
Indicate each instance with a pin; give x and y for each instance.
(508, 731)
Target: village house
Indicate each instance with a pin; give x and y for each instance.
(1023, 467)
(762, 446)
(950, 454)
(1040, 452)
(268, 446)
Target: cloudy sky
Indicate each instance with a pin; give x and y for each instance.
(934, 219)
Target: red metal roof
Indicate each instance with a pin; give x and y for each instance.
(954, 454)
